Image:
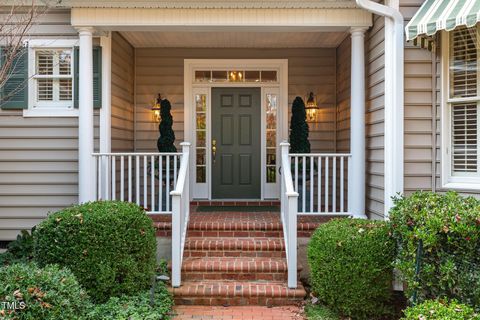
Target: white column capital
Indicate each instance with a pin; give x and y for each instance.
(85, 31)
(358, 31)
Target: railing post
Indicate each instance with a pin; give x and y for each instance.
(176, 241)
(292, 240)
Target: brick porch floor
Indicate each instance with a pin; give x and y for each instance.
(239, 312)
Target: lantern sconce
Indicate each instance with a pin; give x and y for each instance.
(311, 107)
(156, 108)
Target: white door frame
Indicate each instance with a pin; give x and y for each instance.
(204, 190)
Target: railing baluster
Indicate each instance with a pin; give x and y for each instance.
(319, 178)
(145, 182)
(160, 184)
(326, 184)
(100, 178)
(304, 183)
(167, 183)
(174, 171)
(107, 181)
(341, 184)
(122, 178)
(152, 182)
(312, 183)
(129, 178)
(334, 184)
(296, 173)
(114, 178)
(137, 180)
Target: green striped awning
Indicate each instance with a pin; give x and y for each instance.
(436, 15)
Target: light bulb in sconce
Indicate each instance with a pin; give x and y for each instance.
(156, 108)
(311, 107)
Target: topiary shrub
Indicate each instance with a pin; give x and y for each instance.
(30, 292)
(449, 228)
(436, 310)
(351, 267)
(108, 245)
(135, 307)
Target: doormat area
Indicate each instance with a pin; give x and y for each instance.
(238, 208)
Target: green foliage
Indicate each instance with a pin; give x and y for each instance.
(108, 245)
(319, 312)
(351, 267)
(48, 293)
(167, 136)
(135, 307)
(19, 250)
(299, 128)
(449, 227)
(440, 310)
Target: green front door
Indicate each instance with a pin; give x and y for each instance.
(236, 138)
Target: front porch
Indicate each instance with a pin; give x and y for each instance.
(231, 93)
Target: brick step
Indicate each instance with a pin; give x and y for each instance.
(242, 268)
(235, 234)
(234, 247)
(230, 293)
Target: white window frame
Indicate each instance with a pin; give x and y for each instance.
(448, 180)
(58, 109)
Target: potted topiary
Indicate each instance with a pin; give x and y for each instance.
(299, 144)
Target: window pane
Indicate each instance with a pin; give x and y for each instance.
(271, 135)
(464, 138)
(269, 76)
(202, 76)
(45, 89)
(219, 76)
(463, 63)
(252, 76)
(64, 62)
(65, 89)
(45, 62)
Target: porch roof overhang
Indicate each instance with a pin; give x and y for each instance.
(210, 4)
(209, 19)
(436, 15)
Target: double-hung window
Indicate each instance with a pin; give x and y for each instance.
(461, 109)
(51, 70)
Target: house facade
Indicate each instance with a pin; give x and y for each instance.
(392, 115)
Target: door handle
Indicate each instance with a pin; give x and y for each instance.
(214, 149)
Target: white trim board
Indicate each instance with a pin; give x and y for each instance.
(203, 190)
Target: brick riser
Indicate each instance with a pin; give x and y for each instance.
(235, 259)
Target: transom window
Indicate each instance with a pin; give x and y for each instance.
(248, 76)
(53, 78)
(462, 102)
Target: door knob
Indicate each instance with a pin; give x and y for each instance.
(214, 149)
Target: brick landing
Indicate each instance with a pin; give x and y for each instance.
(240, 313)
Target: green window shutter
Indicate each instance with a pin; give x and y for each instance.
(97, 76)
(14, 93)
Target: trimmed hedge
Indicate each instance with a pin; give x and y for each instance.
(436, 310)
(50, 293)
(108, 245)
(449, 227)
(19, 250)
(135, 307)
(351, 267)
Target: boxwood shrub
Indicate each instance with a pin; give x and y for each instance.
(30, 292)
(435, 310)
(351, 267)
(108, 245)
(449, 227)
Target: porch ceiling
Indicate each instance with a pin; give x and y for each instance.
(247, 39)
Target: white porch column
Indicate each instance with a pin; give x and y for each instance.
(356, 170)
(86, 178)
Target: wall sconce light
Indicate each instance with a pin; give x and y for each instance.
(311, 107)
(156, 108)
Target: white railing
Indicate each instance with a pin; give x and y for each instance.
(157, 181)
(320, 180)
(180, 215)
(312, 184)
(143, 178)
(288, 212)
